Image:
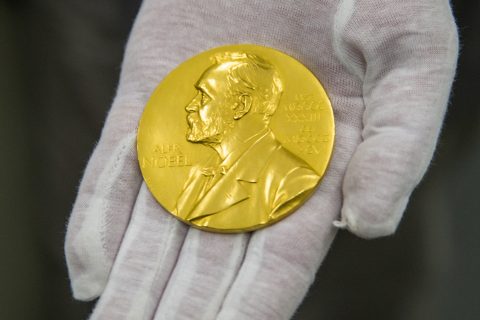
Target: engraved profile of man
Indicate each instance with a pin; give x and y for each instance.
(254, 179)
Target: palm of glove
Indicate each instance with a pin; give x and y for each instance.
(387, 67)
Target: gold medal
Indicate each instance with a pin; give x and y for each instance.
(235, 138)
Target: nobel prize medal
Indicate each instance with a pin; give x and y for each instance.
(235, 138)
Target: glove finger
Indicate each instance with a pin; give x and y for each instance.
(111, 182)
(280, 265)
(206, 267)
(100, 215)
(406, 87)
(144, 263)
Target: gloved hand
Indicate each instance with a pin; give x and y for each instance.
(387, 67)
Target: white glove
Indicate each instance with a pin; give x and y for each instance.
(387, 67)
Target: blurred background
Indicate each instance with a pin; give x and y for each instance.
(59, 65)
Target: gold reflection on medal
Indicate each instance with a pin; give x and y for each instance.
(235, 138)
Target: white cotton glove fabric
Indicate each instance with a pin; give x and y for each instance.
(387, 67)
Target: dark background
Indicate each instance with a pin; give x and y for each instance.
(59, 65)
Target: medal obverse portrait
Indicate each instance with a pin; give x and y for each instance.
(235, 138)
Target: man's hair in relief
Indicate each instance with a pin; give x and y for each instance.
(250, 74)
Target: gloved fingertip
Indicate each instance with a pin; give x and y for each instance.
(368, 225)
(86, 290)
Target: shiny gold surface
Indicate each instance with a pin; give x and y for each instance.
(235, 138)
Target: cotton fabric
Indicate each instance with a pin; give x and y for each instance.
(387, 67)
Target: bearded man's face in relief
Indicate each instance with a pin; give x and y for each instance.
(210, 112)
